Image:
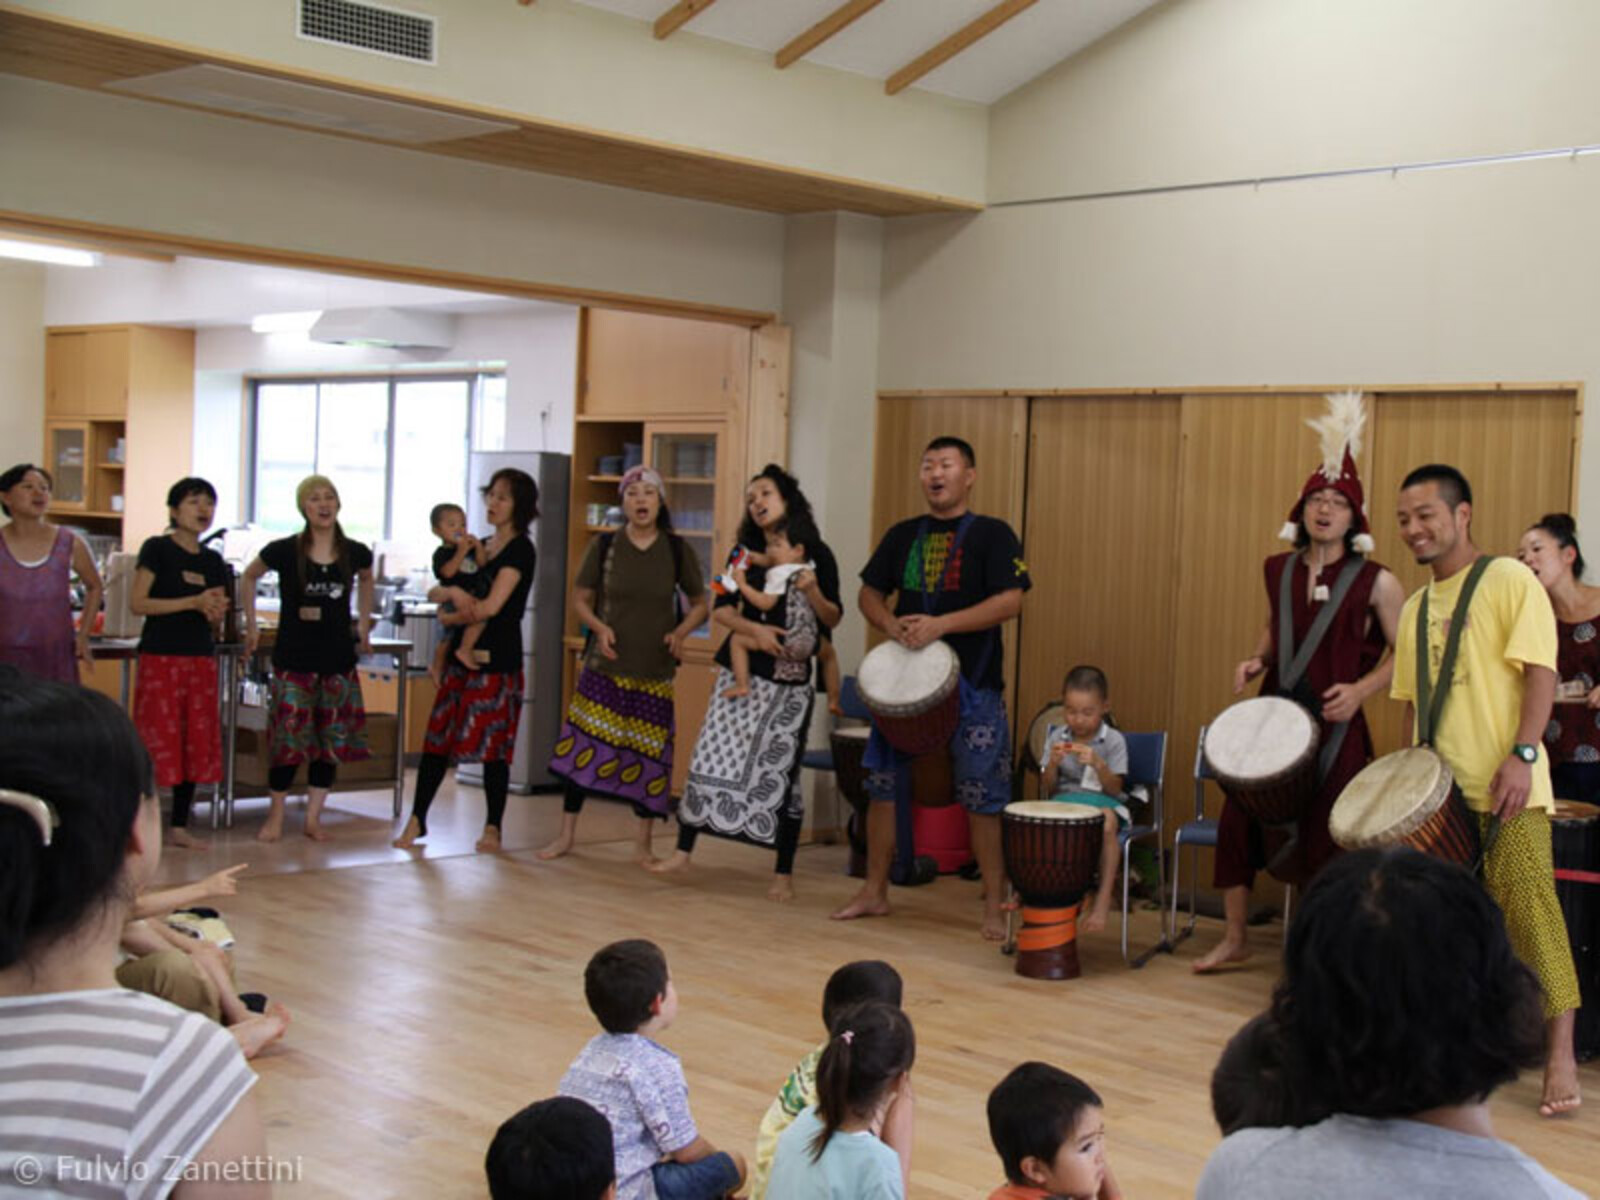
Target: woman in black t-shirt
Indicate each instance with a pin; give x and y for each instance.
(475, 714)
(181, 591)
(315, 716)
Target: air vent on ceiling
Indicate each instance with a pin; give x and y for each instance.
(372, 27)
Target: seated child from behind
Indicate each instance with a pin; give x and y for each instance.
(1049, 1129)
(639, 1085)
(783, 561)
(1084, 762)
(555, 1149)
(853, 983)
(457, 564)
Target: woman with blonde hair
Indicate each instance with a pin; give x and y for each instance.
(315, 713)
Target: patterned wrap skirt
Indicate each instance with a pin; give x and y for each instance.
(617, 739)
(317, 718)
(475, 715)
(175, 711)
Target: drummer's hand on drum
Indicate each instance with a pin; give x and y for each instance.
(1342, 701)
(1508, 790)
(1245, 672)
(919, 630)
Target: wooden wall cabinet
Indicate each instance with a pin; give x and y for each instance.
(119, 420)
(706, 405)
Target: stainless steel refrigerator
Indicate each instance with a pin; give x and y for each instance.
(543, 620)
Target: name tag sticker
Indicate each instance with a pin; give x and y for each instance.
(310, 612)
(194, 579)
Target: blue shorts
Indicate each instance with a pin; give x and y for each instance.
(710, 1178)
(980, 756)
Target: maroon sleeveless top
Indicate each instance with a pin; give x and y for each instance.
(36, 612)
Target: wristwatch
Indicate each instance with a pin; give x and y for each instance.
(1528, 754)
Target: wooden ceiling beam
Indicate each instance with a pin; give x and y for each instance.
(954, 44)
(840, 18)
(680, 14)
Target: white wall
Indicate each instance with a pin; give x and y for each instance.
(562, 62)
(1446, 276)
(21, 362)
(90, 157)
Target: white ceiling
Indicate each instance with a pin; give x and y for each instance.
(897, 31)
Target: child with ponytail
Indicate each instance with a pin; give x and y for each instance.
(832, 1151)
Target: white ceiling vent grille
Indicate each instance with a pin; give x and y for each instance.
(374, 28)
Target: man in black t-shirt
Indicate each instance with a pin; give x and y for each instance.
(957, 577)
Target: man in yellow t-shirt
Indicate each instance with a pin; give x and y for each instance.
(1490, 732)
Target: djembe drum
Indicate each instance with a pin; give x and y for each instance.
(914, 695)
(1405, 797)
(1263, 753)
(1051, 851)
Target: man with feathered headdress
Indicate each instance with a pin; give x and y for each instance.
(1348, 661)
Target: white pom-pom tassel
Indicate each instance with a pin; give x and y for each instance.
(1364, 543)
(1289, 532)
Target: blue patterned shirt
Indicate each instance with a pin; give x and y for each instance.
(639, 1087)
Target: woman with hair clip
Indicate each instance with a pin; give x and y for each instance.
(181, 591)
(37, 561)
(1400, 1011)
(833, 1150)
(476, 711)
(315, 713)
(618, 737)
(744, 779)
(1550, 550)
(93, 1075)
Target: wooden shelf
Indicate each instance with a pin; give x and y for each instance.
(111, 466)
(602, 528)
(709, 482)
(605, 478)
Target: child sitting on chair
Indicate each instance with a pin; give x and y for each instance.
(783, 561)
(1049, 1129)
(1084, 762)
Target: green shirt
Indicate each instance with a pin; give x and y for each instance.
(638, 602)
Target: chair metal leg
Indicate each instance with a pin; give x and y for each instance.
(1163, 942)
(1009, 946)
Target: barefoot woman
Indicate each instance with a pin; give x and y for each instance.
(744, 781)
(36, 562)
(475, 714)
(317, 717)
(617, 739)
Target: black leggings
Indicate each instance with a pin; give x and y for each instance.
(430, 774)
(573, 797)
(182, 798)
(319, 774)
(788, 841)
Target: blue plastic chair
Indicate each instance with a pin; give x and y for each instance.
(1147, 764)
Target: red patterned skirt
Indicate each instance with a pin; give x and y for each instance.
(317, 718)
(475, 715)
(175, 711)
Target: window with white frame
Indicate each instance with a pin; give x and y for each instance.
(394, 446)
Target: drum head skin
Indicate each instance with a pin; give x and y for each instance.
(1263, 738)
(1053, 810)
(1392, 796)
(894, 679)
(1574, 810)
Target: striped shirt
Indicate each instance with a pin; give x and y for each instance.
(108, 1093)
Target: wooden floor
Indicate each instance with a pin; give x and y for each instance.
(435, 994)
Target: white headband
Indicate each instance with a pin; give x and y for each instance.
(39, 810)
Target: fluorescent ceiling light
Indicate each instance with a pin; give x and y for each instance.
(61, 256)
(285, 322)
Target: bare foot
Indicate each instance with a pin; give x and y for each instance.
(993, 927)
(678, 860)
(555, 849)
(1561, 1092)
(408, 838)
(1228, 950)
(183, 839)
(467, 659)
(735, 692)
(1095, 922)
(782, 890)
(271, 830)
(255, 1033)
(489, 843)
(317, 833)
(865, 904)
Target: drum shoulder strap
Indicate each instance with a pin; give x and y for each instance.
(1431, 693)
(1294, 662)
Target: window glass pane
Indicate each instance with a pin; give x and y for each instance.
(353, 451)
(286, 450)
(430, 456)
(491, 432)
